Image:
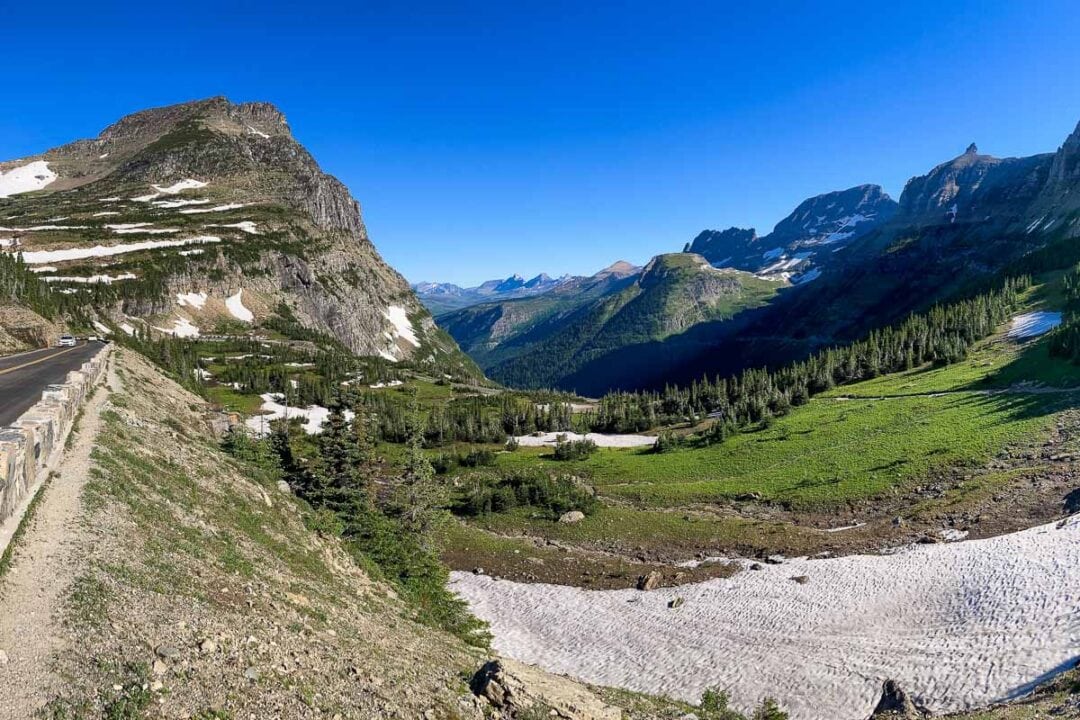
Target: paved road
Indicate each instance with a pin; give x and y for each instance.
(24, 376)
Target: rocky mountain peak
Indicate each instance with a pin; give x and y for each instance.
(619, 268)
(972, 149)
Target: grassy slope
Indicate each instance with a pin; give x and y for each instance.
(190, 545)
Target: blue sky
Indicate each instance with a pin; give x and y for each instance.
(489, 138)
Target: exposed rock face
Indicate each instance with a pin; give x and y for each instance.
(306, 254)
(1065, 166)
(804, 240)
(21, 328)
(974, 187)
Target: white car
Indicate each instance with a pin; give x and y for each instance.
(67, 341)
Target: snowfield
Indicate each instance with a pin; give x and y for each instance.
(1033, 324)
(612, 441)
(235, 305)
(958, 625)
(26, 178)
(91, 279)
(40, 257)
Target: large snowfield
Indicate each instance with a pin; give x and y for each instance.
(958, 625)
(26, 178)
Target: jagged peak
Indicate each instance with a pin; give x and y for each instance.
(258, 117)
(972, 149)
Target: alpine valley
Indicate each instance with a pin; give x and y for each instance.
(840, 264)
(248, 471)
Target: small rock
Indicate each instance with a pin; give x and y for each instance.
(167, 652)
(3, 658)
(251, 673)
(574, 516)
(478, 571)
(284, 487)
(898, 521)
(801, 579)
(757, 566)
(675, 602)
(651, 581)
(156, 686)
(207, 646)
(160, 668)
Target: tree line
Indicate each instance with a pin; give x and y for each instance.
(1065, 339)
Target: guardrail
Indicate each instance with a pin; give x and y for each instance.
(30, 444)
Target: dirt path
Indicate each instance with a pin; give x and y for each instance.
(32, 592)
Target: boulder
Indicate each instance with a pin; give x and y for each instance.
(649, 581)
(895, 703)
(574, 516)
(518, 690)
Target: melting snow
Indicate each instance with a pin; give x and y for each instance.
(391, 383)
(246, 226)
(399, 318)
(253, 131)
(314, 415)
(957, 625)
(1033, 324)
(178, 203)
(127, 328)
(90, 279)
(773, 254)
(219, 208)
(39, 257)
(27, 178)
(810, 276)
(613, 441)
(101, 328)
(106, 213)
(182, 328)
(195, 300)
(180, 187)
(235, 304)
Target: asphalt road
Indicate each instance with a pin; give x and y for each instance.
(25, 375)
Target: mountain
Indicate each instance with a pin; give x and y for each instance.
(441, 298)
(563, 337)
(957, 227)
(803, 242)
(208, 216)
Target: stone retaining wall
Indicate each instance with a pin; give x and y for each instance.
(31, 443)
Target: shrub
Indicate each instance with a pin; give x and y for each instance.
(567, 449)
(667, 442)
(527, 488)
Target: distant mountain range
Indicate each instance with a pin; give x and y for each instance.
(838, 265)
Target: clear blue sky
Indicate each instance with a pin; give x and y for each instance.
(489, 138)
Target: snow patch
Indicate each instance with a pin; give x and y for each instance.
(195, 300)
(182, 328)
(403, 329)
(219, 208)
(26, 178)
(180, 187)
(178, 203)
(235, 304)
(314, 415)
(39, 257)
(246, 226)
(611, 441)
(253, 131)
(90, 279)
(1033, 324)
